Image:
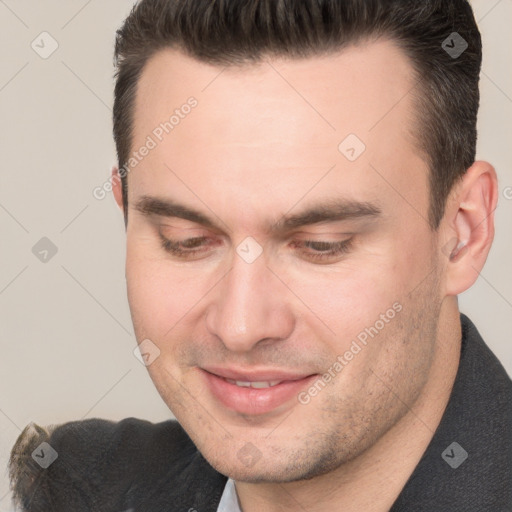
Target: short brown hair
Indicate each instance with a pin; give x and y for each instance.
(236, 32)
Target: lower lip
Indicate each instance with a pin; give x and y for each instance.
(245, 400)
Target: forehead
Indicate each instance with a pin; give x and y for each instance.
(348, 90)
(277, 125)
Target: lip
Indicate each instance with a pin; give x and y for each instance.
(254, 375)
(254, 401)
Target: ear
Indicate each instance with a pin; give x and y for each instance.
(117, 187)
(468, 229)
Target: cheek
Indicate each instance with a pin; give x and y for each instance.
(161, 296)
(343, 302)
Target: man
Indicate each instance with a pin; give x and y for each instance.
(302, 208)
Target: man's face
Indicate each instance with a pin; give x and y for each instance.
(260, 293)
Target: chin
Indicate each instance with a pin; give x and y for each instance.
(263, 468)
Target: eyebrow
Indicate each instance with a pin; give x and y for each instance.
(327, 211)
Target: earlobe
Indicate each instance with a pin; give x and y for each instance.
(117, 187)
(469, 223)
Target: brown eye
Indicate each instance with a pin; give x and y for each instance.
(321, 251)
(184, 248)
(190, 243)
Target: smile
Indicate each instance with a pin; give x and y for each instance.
(257, 385)
(255, 394)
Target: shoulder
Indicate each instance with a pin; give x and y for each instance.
(480, 371)
(76, 465)
(468, 459)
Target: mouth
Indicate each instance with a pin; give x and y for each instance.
(254, 393)
(255, 384)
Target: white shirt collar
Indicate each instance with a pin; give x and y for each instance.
(229, 498)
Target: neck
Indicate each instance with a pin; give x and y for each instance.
(374, 480)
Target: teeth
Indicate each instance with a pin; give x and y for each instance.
(256, 385)
(260, 385)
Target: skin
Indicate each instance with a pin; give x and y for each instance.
(262, 143)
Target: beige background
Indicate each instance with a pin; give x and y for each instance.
(66, 334)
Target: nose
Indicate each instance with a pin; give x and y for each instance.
(250, 305)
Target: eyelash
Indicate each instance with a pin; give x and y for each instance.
(174, 247)
(333, 248)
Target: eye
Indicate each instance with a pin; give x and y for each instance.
(321, 251)
(314, 250)
(190, 247)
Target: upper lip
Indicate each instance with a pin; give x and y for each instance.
(255, 376)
